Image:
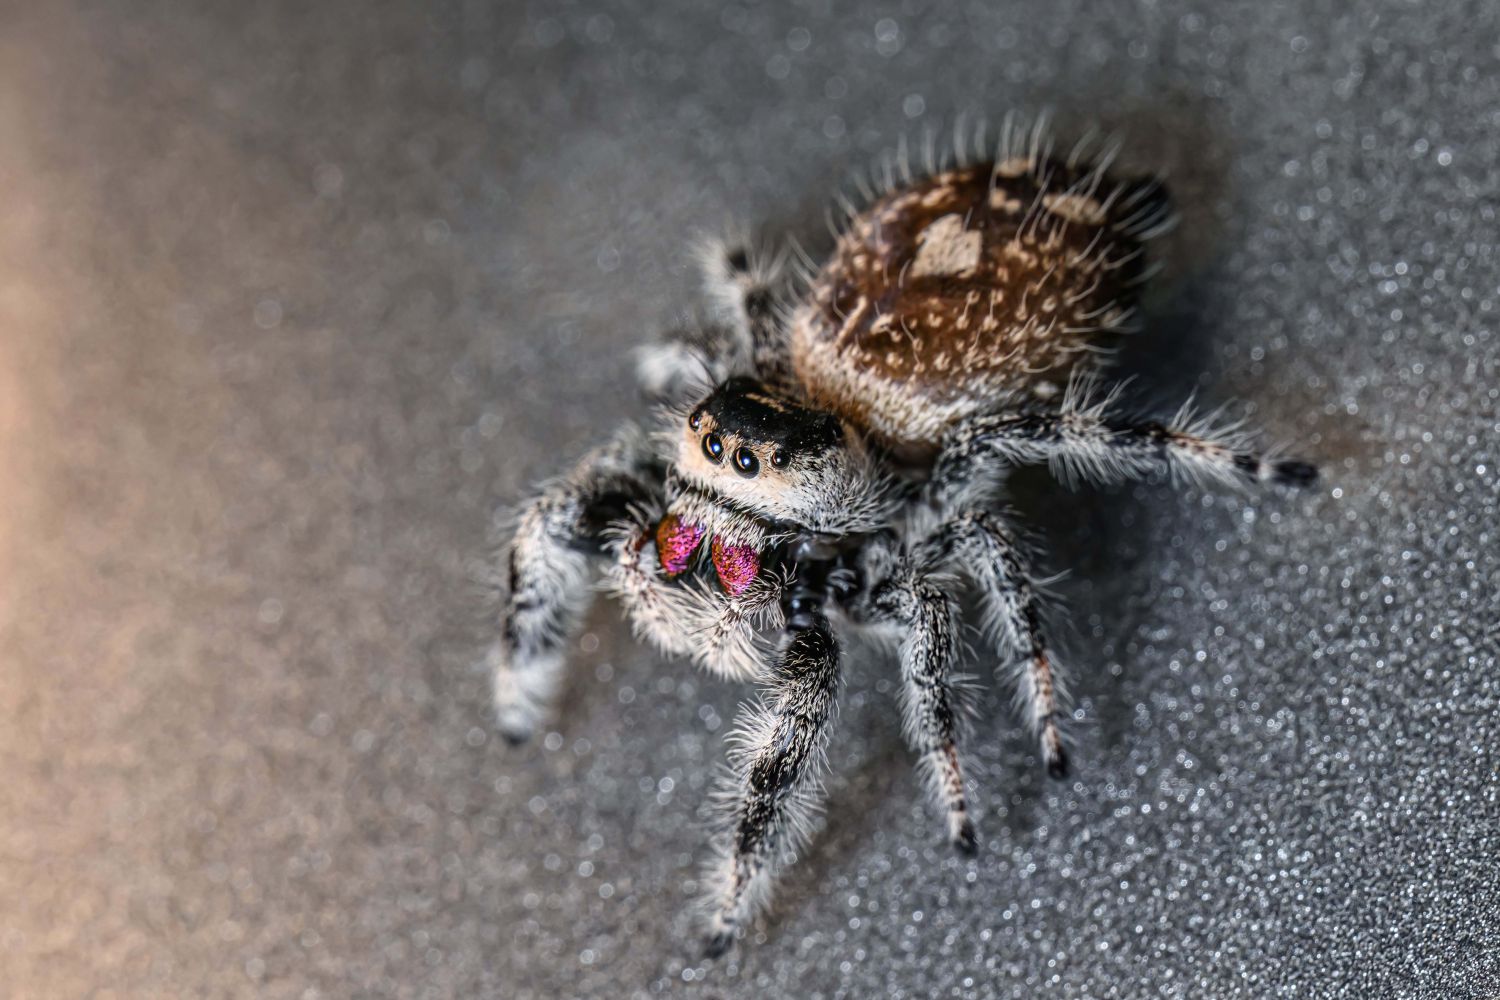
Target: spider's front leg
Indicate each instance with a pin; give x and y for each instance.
(744, 334)
(746, 283)
(777, 755)
(547, 569)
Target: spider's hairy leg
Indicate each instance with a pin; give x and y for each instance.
(746, 284)
(774, 785)
(547, 570)
(913, 599)
(979, 543)
(689, 360)
(1081, 440)
(743, 334)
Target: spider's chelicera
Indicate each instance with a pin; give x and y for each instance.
(833, 454)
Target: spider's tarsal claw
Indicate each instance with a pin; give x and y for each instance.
(965, 841)
(1057, 764)
(1294, 473)
(718, 943)
(515, 724)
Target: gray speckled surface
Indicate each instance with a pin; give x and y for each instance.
(289, 300)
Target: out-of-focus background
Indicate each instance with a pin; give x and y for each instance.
(292, 296)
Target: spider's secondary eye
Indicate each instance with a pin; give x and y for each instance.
(746, 462)
(713, 447)
(780, 458)
(695, 421)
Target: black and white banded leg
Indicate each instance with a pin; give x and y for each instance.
(1080, 441)
(744, 335)
(777, 757)
(979, 545)
(909, 598)
(547, 575)
(745, 284)
(689, 361)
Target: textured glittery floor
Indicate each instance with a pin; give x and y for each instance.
(292, 295)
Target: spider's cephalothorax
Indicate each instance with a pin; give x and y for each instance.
(835, 454)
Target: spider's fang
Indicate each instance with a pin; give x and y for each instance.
(737, 566)
(1057, 764)
(676, 541)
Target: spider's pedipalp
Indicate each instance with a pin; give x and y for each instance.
(720, 632)
(656, 610)
(725, 629)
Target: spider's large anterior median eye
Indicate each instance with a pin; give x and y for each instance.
(713, 447)
(746, 462)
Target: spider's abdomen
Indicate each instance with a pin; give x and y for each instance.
(969, 288)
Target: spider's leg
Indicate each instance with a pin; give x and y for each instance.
(685, 363)
(547, 569)
(777, 756)
(745, 335)
(746, 284)
(911, 598)
(1080, 441)
(980, 545)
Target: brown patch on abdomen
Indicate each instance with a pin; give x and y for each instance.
(964, 289)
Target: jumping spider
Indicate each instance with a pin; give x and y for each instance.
(835, 455)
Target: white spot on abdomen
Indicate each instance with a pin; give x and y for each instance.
(1013, 167)
(1001, 201)
(945, 247)
(1075, 208)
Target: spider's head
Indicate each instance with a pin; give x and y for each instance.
(766, 452)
